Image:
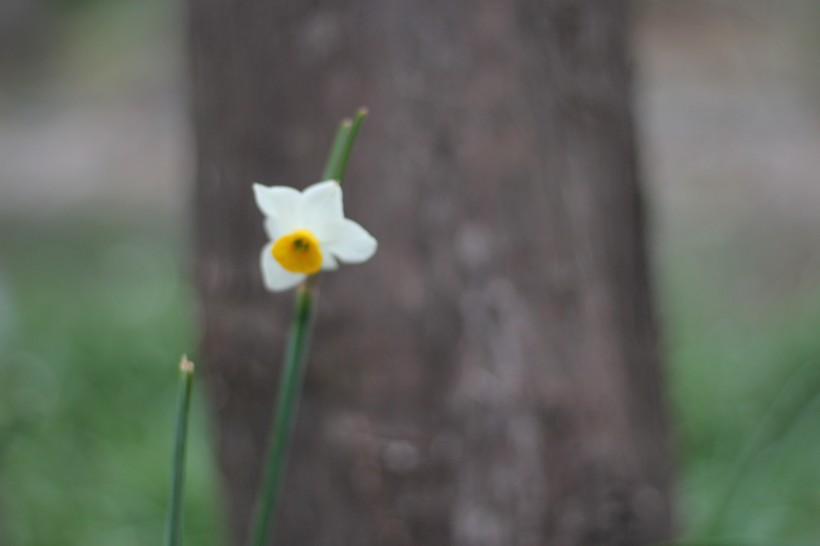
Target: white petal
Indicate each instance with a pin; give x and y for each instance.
(276, 277)
(351, 243)
(329, 263)
(279, 203)
(275, 229)
(321, 207)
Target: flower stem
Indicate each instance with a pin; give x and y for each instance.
(336, 150)
(186, 372)
(342, 147)
(341, 168)
(290, 381)
(289, 387)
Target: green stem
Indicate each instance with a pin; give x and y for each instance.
(342, 147)
(336, 150)
(290, 381)
(341, 168)
(289, 387)
(172, 534)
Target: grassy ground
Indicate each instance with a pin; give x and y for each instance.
(93, 321)
(744, 378)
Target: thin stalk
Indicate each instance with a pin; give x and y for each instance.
(289, 386)
(290, 382)
(341, 168)
(337, 149)
(173, 532)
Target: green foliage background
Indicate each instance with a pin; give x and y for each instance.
(94, 319)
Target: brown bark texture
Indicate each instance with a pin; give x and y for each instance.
(491, 377)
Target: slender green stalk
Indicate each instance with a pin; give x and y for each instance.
(352, 133)
(336, 150)
(173, 533)
(290, 382)
(336, 166)
(289, 386)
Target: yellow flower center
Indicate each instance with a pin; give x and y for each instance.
(298, 252)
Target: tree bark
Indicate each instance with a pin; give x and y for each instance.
(491, 377)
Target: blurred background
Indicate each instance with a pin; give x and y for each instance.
(96, 304)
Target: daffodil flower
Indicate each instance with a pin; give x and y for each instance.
(308, 233)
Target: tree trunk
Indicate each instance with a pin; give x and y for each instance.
(491, 377)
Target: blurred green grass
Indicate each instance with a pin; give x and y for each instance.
(94, 320)
(743, 371)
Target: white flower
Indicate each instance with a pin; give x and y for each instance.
(308, 232)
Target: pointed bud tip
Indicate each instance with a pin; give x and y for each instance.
(363, 111)
(185, 365)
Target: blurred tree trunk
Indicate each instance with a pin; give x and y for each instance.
(491, 378)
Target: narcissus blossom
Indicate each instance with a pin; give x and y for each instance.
(308, 232)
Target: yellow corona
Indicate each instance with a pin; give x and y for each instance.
(298, 252)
